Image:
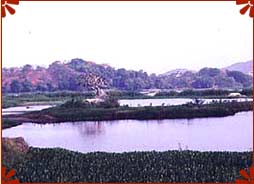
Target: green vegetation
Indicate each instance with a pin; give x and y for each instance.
(208, 93)
(108, 102)
(88, 113)
(239, 77)
(6, 123)
(59, 97)
(59, 165)
(123, 94)
(247, 92)
(13, 151)
(10, 102)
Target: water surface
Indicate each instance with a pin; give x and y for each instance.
(171, 101)
(23, 109)
(231, 133)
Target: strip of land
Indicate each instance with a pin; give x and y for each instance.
(80, 112)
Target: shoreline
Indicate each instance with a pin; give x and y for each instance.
(61, 115)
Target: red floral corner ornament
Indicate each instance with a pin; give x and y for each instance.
(249, 5)
(5, 5)
(248, 178)
(6, 178)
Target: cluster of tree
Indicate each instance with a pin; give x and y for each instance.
(67, 76)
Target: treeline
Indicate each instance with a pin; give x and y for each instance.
(204, 93)
(65, 76)
(59, 165)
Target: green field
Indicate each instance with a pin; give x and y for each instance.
(59, 165)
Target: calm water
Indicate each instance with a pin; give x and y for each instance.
(22, 109)
(172, 101)
(232, 133)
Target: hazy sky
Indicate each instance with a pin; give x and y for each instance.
(153, 36)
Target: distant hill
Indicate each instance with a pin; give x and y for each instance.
(67, 76)
(177, 72)
(244, 67)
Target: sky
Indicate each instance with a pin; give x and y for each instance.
(153, 36)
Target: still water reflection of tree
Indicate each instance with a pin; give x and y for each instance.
(90, 128)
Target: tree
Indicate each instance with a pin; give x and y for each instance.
(92, 82)
(27, 86)
(77, 64)
(50, 87)
(27, 68)
(202, 83)
(240, 77)
(4, 89)
(209, 72)
(109, 102)
(15, 86)
(42, 87)
(224, 82)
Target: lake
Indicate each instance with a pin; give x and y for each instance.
(231, 133)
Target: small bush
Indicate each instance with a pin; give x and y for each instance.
(109, 102)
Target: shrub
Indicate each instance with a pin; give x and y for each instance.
(109, 102)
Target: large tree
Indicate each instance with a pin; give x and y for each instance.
(93, 82)
(15, 86)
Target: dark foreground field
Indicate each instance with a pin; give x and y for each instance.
(59, 165)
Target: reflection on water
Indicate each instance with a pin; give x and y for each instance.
(89, 128)
(232, 133)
